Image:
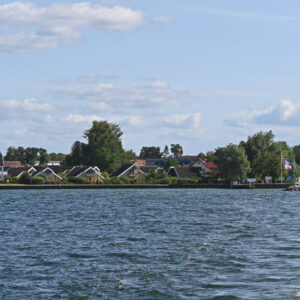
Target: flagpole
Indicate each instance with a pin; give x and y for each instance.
(281, 167)
(294, 171)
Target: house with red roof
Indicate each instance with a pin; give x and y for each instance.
(12, 164)
(205, 167)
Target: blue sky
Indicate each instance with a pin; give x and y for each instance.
(198, 73)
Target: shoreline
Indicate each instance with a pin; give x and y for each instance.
(140, 186)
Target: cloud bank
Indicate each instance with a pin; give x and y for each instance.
(287, 113)
(107, 96)
(27, 27)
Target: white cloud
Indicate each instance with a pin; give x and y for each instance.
(159, 84)
(107, 96)
(77, 118)
(28, 108)
(102, 106)
(245, 118)
(184, 121)
(135, 120)
(289, 110)
(286, 113)
(31, 27)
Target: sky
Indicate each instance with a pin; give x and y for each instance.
(201, 73)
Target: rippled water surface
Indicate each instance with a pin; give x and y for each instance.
(150, 244)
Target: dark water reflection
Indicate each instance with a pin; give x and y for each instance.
(150, 244)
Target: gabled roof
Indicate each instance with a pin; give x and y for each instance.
(149, 169)
(183, 172)
(75, 171)
(209, 164)
(61, 169)
(155, 161)
(188, 157)
(125, 168)
(88, 169)
(44, 170)
(121, 170)
(17, 172)
(78, 171)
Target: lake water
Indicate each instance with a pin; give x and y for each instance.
(150, 244)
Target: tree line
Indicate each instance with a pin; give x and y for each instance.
(30, 155)
(259, 156)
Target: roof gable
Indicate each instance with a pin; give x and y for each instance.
(44, 170)
(184, 172)
(88, 169)
(126, 168)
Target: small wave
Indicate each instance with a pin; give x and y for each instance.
(226, 297)
(135, 239)
(123, 255)
(80, 255)
(219, 286)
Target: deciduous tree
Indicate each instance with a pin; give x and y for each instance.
(177, 150)
(232, 162)
(150, 152)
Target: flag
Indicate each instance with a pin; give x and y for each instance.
(287, 165)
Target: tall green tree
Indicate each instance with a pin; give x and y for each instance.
(31, 155)
(296, 150)
(268, 164)
(43, 156)
(27, 156)
(150, 152)
(104, 145)
(78, 155)
(128, 157)
(177, 150)
(282, 148)
(21, 155)
(232, 162)
(57, 156)
(166, 152)
(255, 146)
(12, 154)
(201, 155)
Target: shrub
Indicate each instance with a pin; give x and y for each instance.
(105, 174)
(134, 181)
(44, 176)
(113, 180)
(150, 180)
(25, 178)
(78, 180)
(166, 180)
(125, 180)
(9, 179)
(38, 180)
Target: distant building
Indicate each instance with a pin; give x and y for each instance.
(91, 174)
(205, 167)
(19, 171)
(130, 170)
(187, 160)
(12, 164)
(50, 163)
(140, 162)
